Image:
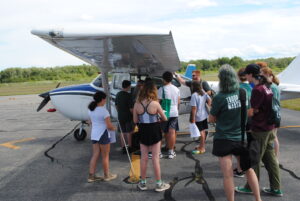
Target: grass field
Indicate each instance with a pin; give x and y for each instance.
(11, 89)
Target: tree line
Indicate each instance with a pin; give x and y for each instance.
(277, 64)
(80, 72)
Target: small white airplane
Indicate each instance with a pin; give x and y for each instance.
(126, 56)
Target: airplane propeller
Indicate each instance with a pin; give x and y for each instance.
(46, 99)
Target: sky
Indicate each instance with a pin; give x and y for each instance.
(202, 29)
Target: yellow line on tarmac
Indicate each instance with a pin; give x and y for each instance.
(11, 143)
(290, 126)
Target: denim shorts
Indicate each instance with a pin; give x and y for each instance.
(103, 140)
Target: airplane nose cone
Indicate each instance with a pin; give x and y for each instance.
(45, 94)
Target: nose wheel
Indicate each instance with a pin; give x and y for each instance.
(80, 133)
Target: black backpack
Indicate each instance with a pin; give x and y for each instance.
(275, 117)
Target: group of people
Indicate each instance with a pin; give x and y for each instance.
(143, 109)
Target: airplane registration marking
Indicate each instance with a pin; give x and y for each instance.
(11, 145)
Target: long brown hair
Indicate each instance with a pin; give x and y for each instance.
(196, 87)
(268, 71)
(148, 92)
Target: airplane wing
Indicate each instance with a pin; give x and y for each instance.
(136, 53)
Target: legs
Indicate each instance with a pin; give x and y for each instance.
(144, 160)
(127, 137)
(105, 148)
(171, 138)
(276, 143)
(155, 160)
(253, 183)
(94, 159)
(226, 168)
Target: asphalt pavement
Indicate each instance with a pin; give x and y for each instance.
(26, 174)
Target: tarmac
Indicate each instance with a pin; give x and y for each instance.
(26, 174)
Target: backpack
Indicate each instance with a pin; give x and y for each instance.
(275, 117)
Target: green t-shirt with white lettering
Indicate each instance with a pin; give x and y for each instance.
(227, 109)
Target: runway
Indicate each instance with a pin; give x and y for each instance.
(27, 175)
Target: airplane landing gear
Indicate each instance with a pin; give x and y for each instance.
(80, 133)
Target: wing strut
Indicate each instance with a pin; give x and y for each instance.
(104, 74)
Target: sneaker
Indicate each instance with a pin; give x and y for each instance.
(150, 155)
(171, 154)
(94, 178)
(270, 191)
(161, 155)
(162, 187)
(110, 177)
(236, 173)
(142, 186)
(243, 190)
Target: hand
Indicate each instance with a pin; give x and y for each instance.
(176, 75)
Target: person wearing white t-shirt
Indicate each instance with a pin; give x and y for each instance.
(171, 126)
(101, 124)
(199, 113)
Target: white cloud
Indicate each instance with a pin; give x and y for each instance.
(251, 34)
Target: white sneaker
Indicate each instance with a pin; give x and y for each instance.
(171, 154)
(162, 187)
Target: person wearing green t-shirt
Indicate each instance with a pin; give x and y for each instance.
(226, 113)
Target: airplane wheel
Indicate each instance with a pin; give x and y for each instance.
(78, 136)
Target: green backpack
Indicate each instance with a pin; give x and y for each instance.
(165, 104)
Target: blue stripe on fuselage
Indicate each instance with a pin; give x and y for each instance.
(81, 87)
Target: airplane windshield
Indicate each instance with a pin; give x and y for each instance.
(98, 81)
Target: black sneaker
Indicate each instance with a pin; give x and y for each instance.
(236, 173)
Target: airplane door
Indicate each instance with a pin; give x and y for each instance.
(185, 97)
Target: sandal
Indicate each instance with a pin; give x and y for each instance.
(197, 151)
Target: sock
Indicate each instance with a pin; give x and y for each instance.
(158, 182)
(143, 181)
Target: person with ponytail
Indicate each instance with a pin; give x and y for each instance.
(267, 72)
(101, 124)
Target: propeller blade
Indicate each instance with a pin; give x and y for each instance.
(43, 103)
(57, 85)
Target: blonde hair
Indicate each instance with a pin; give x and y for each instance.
(268, 71)
(148, 92)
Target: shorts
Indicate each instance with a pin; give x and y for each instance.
(171, 123)
(224, 147)
(126, 127)
(202, 125)
(104, 139)
(150, 133)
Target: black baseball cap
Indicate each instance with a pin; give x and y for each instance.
(253, 69)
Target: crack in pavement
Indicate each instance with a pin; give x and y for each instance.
(196, 176)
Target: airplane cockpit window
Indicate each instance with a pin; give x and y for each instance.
(118, 79)
(98, 82)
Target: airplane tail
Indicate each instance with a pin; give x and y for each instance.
(189, 69)
(291, 74)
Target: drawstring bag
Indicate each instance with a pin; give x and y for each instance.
(165, 104)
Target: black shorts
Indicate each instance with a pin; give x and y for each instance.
(103, 140)
(171, 123)
(127, 127)
(202, 125)
(224, 147)
(150, 133)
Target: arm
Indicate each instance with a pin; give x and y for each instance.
(193, 114)
(135, 115)
(212, 119)
(179, 78)
(208, 101)
(161, 112)
(109, 125)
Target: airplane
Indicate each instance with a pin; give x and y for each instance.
(125, 55)
(128, 56)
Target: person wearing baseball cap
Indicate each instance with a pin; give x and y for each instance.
(262, 131)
